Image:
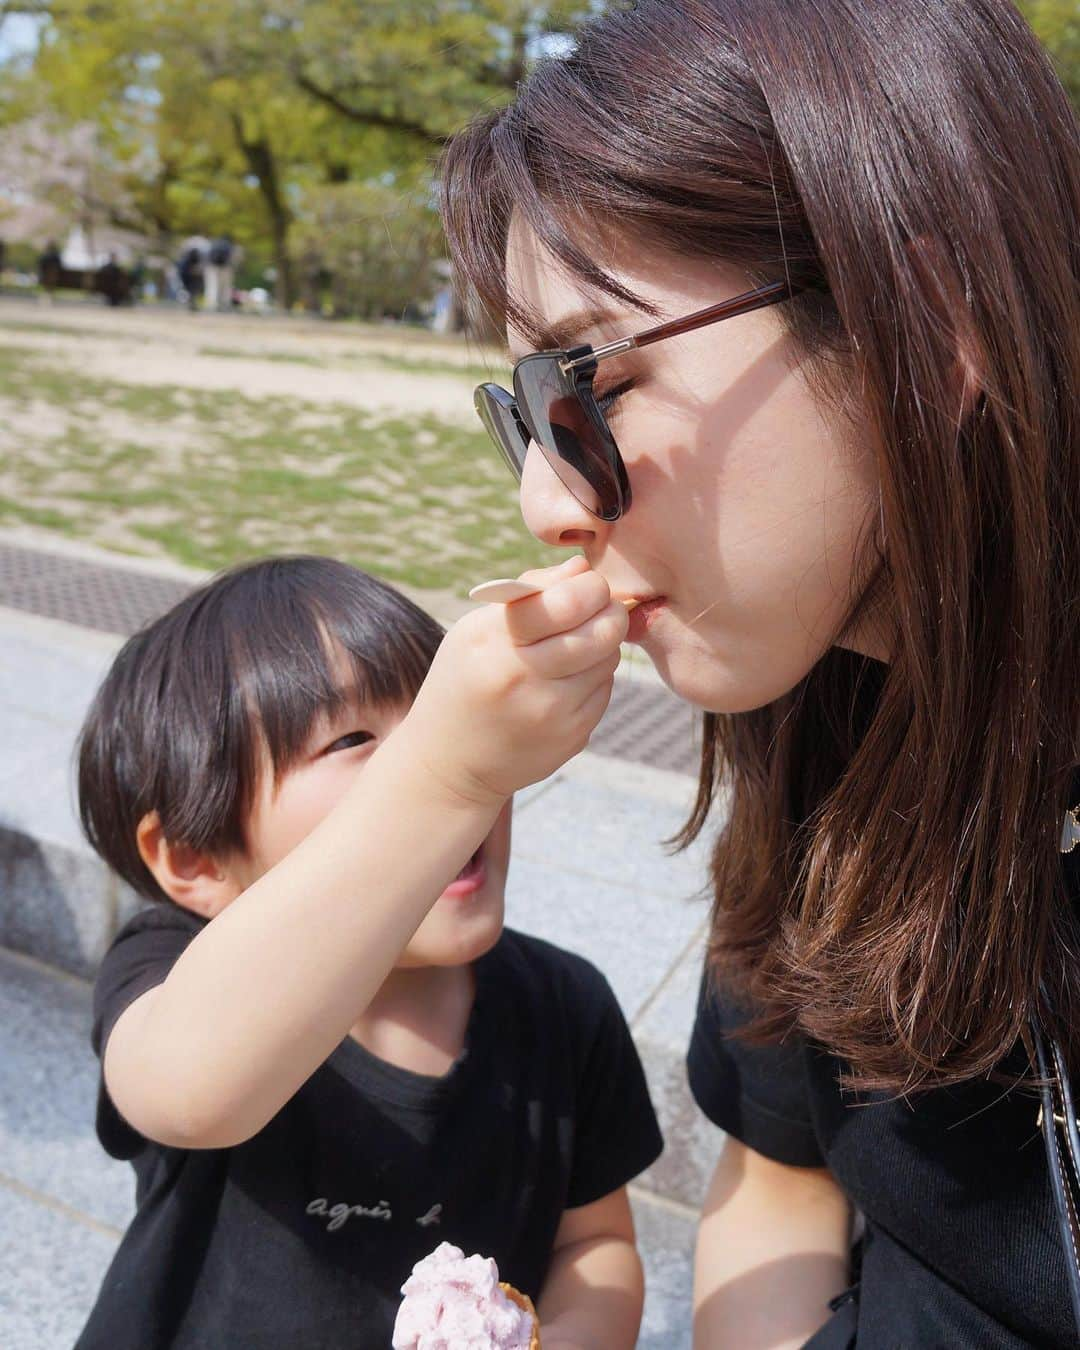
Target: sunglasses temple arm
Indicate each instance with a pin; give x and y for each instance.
(726, 309)
(650, 335)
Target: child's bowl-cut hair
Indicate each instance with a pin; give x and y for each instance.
(238, 670)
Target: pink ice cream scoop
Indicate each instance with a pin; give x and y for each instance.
(456, 1303)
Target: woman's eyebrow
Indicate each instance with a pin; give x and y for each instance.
(571, 328)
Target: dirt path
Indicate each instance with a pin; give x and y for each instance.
(255, 333)
(388, 372)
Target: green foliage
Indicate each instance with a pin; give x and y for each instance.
(1057, 23)
(422, 66)
(275, 120)
(262, 117)
(370, 247)
(22, 257)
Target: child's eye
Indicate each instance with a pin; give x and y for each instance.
(349, 741)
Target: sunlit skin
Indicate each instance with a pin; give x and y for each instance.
(417, 1017)
(458, 929)
(749, 500)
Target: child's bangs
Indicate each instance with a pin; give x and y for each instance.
(316, 635)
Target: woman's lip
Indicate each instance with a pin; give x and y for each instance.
(644, 615)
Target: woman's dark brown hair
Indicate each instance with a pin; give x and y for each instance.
(888, 876)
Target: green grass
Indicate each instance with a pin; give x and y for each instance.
(477, 372)
(54, 329)
(240, 353)
(472, 371)
(211, 481)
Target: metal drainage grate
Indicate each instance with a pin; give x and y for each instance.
(110, 599)
(645, 723)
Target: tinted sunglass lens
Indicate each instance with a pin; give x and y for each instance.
(498, 413)
(575, 444)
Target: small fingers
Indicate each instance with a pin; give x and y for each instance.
(592, 645)
(593, 709)
(580, 703)
(547, 576)
(561, 607)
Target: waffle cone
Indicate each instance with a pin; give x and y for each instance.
(525, 1302)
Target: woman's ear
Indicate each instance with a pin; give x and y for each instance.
(192, 879)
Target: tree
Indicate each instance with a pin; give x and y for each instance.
(241, 115)
(184, 93)
(418, 67)
(67, 167)
(1057, 23)
(372, 247)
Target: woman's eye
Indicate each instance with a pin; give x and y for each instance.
(349, 741)
(607, 400)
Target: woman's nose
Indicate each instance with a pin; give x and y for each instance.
(550, 509)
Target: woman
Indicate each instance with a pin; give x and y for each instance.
(849, 502)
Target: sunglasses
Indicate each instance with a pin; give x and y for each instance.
(555, 405)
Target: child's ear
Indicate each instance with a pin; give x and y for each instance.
(194, 880)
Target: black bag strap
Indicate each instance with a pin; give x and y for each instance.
(1057, 1117)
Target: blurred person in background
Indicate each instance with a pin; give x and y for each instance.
(220, 260)
(191, 271)
(113, 282)
(49, 269)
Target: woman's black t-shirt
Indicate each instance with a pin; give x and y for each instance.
(962, 1247)
(303, 1235)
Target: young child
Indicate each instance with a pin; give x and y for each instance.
(321, 1051)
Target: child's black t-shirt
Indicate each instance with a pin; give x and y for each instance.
(303, 1235)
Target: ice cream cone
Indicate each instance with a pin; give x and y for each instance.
(450, 1299)
(526, 1304)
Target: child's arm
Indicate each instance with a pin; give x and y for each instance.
(773, 1248)
(595, 1288)
(266, 991)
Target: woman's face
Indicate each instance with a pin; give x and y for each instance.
(749, 501)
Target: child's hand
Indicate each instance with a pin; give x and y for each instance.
(516, 690)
